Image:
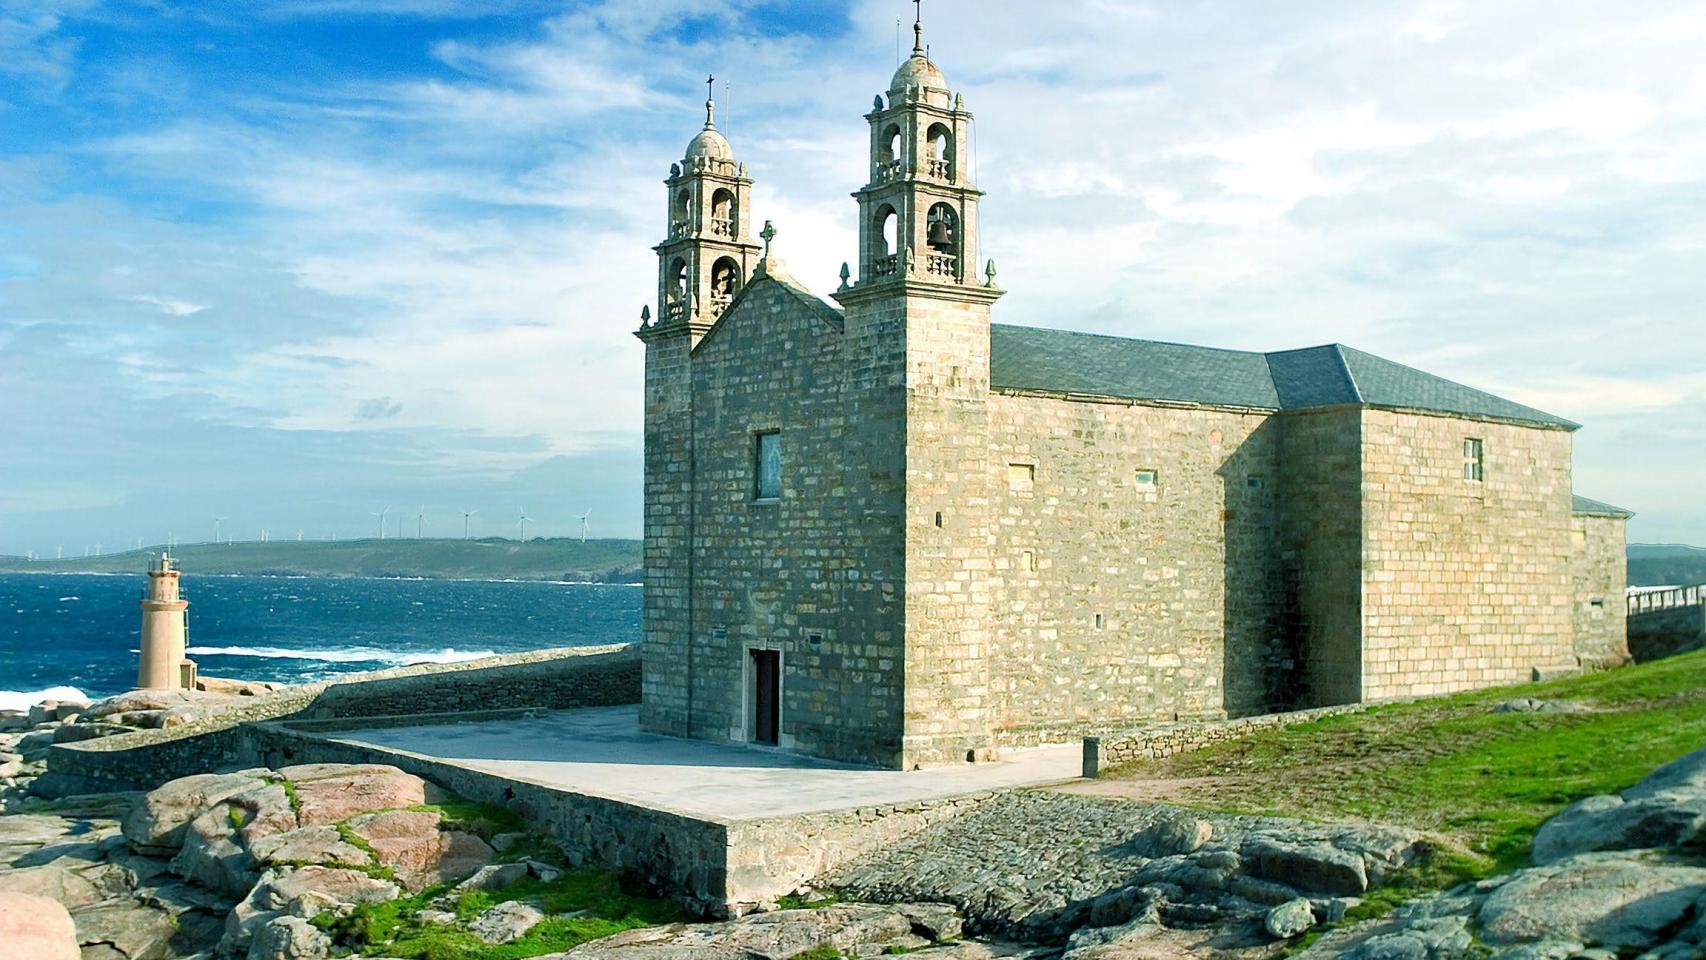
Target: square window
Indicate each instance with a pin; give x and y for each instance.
(1021, 476)
(1474, 460)
(1146, 481)
(1254, 483)
(768, 466)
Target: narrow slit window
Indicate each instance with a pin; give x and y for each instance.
(1028, 561)
(1474, 460)
(1146, 481)
(1098, 621)
(768, 458)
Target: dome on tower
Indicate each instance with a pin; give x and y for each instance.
(710, 143)
(918, 71)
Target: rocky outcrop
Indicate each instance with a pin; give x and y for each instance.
(1616, 875)
(1042, 867)
(156, 826)
(851, 929)
(37, 928)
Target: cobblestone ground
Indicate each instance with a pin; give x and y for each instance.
(1036, 865)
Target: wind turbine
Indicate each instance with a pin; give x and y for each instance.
(420, 522)
(524, 519)
(584, 525)
(465, 515)
(381, 515)
(216, 523)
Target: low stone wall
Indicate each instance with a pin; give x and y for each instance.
(1665, 633)
(1153, 743)
(768, 859)
(674, 854)
(551, 679)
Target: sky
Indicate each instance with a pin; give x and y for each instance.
(291, 262)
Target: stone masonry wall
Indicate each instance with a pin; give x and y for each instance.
(816, 574)
(665, 707)
(1321, 547)
(552, 679)
(1183, 576)
(1599, 571)
(1465, 584)
(1153, 743)
(947, 524)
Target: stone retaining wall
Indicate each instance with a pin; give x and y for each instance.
(550, 679)
(1664, 633)
(1104, 752)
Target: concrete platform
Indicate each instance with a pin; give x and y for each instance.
(601, 752)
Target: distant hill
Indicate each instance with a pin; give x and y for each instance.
(1658, 564)
(608, 561)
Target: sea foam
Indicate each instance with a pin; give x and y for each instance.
(396, 658)
(23, 700)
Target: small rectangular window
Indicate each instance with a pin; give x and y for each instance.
(1028, 560)
(1254, 483)
(1021, 476)
(1098, 621)
(1474, 461)
(768, 466)
(1146, 481)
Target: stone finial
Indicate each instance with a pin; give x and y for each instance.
(959, 102)
(674, 170)
(846, 274)
(877, 103)
(645, 316)
(910, 259)
(989, 273)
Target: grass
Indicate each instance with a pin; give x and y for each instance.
(593, 898)
(481, 819)
(1479, 782)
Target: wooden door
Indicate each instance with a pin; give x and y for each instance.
(767, 695)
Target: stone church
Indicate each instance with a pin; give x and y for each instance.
(889, 531)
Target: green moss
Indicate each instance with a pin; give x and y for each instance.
(348, 835)
(237, 815)
(389, 929)
(794, 901)
(468, 816)
(290, 794)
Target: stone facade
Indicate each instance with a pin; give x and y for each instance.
(1599, 573)
(952, 562)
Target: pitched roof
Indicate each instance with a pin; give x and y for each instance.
(1598, 508)
(1060, 361)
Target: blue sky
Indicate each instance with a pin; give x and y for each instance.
(292, 261)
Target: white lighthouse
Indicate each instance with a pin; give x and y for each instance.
(164, 632)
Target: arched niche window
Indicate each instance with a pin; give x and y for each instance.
(888, 145)
(675, 289)
(939, 162)
(679, 216)
(725, 282)
(886, 238)
(942, 233)
(725, 213)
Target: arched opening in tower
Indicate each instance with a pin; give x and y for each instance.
(725, 214)
(940, 162)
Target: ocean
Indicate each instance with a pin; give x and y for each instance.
(76, 635)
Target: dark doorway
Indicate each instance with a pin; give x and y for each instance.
(767, 695)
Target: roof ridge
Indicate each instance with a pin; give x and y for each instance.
(1115, 336)
(1339, 353)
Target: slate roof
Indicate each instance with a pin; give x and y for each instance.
(1061, 361)
(1599, 508)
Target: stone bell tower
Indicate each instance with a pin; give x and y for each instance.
(705, 261)
(918, 320)
(164, 632)
(709, 254)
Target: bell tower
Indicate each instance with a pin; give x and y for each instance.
(917, 335)
(918, 213)
(709, 254)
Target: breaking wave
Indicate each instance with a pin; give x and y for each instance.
(23, 700)
(395, 658)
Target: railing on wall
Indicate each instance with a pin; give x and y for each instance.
(1650, 599)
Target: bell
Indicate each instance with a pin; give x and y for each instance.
(940, 237)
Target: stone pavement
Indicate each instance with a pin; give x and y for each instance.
(602, 752)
